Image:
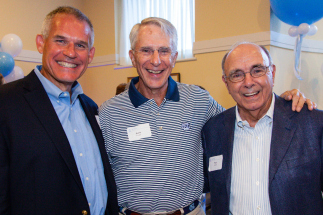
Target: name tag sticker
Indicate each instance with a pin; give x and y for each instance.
(215, 163)
(138, 132)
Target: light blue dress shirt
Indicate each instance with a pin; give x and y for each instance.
(250, 165)
(82, 141)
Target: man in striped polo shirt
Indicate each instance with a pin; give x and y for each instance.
(262, 157)
(152, 131)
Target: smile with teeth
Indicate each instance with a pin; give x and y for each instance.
(154, 72)
(251, 94)
(65, 64)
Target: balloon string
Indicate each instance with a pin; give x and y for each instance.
(297, 52)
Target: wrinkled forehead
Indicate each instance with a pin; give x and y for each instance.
(152, 36)
(245, 56)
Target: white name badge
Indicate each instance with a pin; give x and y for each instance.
(215, 163)
(138, 132)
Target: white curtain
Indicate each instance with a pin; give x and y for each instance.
(181, 13)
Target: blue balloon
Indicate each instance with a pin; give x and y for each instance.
(296, 12)
(6, 63)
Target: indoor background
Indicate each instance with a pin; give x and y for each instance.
(218, 24)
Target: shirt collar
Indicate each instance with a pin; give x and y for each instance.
(270, 113)
(138, 99)
(53, 90)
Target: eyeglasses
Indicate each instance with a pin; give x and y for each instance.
(148, 52)
(256, 72)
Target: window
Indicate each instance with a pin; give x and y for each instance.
(181, 13)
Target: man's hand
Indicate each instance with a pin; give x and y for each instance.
(298, 100)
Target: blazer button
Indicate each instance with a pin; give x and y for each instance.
(84, 212)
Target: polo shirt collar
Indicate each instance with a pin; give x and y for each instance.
(138, 99)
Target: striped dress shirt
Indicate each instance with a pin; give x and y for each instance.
(162, 171)
(250, 166)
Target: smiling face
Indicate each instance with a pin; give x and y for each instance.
(66, 51)
(253, 95)
(153, 70)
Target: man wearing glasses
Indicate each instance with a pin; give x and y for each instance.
(152, 131)
(262, 157)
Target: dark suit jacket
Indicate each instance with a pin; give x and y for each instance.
(295, 168)
(38, 173)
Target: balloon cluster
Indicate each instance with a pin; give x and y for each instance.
(301, 14)
(10, 47)
(302, 29)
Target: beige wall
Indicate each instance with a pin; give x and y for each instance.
(214, 19)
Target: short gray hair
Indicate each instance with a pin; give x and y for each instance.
(69, 11)
(245, 42)
(167, 27)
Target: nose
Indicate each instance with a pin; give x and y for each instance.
(155, 59)
(69, 50)
(248, 80)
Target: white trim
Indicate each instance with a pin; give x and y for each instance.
(104, 60)
(29, 56)
(222, 44)
(261, 38)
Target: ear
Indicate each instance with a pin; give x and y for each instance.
(132, 57)
(174, 59)
(273, 72)
(40, 42)
(225, 82)
(91, 54)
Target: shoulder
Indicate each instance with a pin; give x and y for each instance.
(191, 89)
(11, 90)
(284, 108)
(194, 94)
(120, 100)
(221, 119)
(88, 101)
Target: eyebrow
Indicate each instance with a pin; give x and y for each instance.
(253, 66)
(149, 47)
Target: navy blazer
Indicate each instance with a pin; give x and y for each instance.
(295, 166)
(38, 173)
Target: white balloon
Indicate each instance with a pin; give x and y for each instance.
(293, 32)
(303, 28)
(15, 74)
(11, 44)
(312, 31)
(10, 77)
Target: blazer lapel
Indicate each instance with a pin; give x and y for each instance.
(282, 133)
(227, 141)
(39, 102)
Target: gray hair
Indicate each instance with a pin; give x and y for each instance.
(246, 42)
(69, 11)
(167, 27)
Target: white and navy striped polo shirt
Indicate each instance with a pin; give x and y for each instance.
(164, 171)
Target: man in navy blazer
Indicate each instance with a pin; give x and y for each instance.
(52, 154)
(262, 157)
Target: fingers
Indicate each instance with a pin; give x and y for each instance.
(287, 95)
(311, 105)
(299, 101)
